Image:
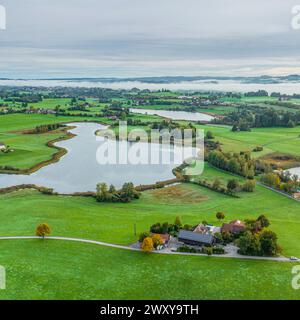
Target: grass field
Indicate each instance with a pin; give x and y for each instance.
(29, 149)
(93, 272)
(38, 269)
(285, 140)
(115, 223)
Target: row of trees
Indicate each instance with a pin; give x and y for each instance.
(111, 194)
(46, 128)
(240, 164)
(256, 117)
(163, 228)
(283, 181)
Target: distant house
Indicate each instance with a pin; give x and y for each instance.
(201, 228)
(195, 238)
(296, 195)
(235, 226)
(2, 146)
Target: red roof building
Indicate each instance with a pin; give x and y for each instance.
(235, 226)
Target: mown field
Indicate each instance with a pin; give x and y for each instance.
(115, 222)
(38, 269)
(285, 140)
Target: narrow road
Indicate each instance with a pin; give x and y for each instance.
(111, 245)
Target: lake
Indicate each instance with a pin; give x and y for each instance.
(295, 171)
(175, 115)
(79, 170)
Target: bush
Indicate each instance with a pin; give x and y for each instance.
(185, 248)
(258, 149)
(249, 186)
(188, 227)
(147, 245)
(218, 250)
(227, 237)
(207, 250)
(157, 240)
(232, 185)
(143, 235)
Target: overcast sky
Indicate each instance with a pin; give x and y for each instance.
(128, 38)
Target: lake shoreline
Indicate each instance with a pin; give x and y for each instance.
(162, 179)
(51, 144)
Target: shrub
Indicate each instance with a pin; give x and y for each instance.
(232, 185)
(249, 186)
(147, 245)
(143, 235)
(258, 149)
(185, 248)
(157, 240)
(207, 250)
(218, 250)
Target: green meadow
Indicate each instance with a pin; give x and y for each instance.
(83, 271)
(114, 223)
(37, 269)
(285, 140)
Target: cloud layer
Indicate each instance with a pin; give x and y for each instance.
(121, 38)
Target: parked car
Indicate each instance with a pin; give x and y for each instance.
(294, 259)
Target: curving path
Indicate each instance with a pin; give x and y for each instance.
(111, 245)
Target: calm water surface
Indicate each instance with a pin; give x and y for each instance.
(79, 170)
(175, 115)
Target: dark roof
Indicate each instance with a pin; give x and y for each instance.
(194, 236)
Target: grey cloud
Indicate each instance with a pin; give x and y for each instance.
(51, 37)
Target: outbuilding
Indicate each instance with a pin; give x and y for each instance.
(195, 238)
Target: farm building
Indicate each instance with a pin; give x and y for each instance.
(235, 226)
(195, 238)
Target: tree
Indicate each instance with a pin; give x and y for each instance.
(232, 185)
(209, 135)
(218, 237)
(147, 244)
(249, 244)
(42, 230)
(268, 243)
(102, 192)
(216, 184)
(112, 189)
(271, 179)
(129, 192)
(264, 221)
(220, 215)
(157, 240)
(143, 235)
(254, 226)
(227, 237)
(233, 165)
(178, 223)
(249, 186)
(208, 250)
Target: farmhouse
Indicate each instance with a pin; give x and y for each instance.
(235, 226)
(195, 238)
(201, 228)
